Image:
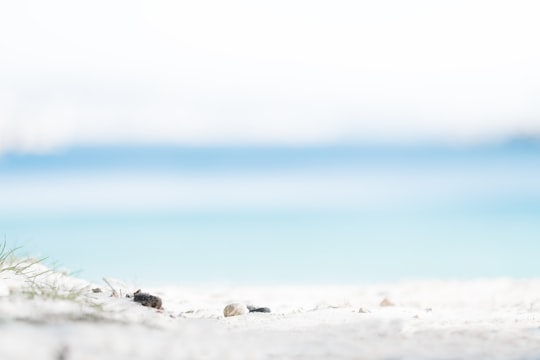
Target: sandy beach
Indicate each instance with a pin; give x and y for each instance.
(59, 317)
(269, 180)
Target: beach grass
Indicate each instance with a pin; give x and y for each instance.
(9, 262)
(37, 276)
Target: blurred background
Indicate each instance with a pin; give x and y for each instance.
(172, 142)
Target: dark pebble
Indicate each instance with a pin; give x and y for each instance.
(258, 309)
(147, 300)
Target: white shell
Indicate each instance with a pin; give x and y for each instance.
(234, 310)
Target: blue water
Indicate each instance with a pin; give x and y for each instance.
(426, 212)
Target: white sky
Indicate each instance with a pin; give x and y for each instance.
(266, 72)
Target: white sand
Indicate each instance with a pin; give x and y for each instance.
(488, 319)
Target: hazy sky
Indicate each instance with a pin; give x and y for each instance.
(277, 72)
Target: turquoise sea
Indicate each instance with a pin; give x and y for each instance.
(269, 215)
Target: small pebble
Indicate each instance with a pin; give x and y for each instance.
(258, 309)
(147, 300)
(386, 302)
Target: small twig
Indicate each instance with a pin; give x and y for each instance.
(114, 292)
